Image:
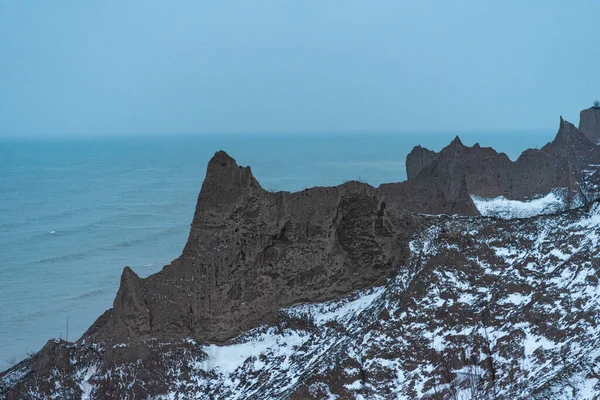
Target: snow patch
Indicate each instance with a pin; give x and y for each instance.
(86, 387)
(516, 299)
(340, 310)
(356, 385)
(231, 357)
(502, 207)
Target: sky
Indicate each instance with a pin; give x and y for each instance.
(305, 66)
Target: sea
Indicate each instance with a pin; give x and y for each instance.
(74, 211)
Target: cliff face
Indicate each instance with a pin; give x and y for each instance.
(589, 124)
(251, 252)
(441, 183)
(418, 159)
(443, 186)
(486, 308)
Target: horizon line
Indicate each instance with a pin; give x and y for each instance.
(268, 133)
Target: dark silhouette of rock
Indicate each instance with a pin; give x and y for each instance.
(441, 183)
(441, 186)
(569, 143)
(417, 159)
(589, 124)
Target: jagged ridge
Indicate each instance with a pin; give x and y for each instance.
(442, 183)
(251, 252)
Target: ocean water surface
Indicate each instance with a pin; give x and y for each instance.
(75, 211)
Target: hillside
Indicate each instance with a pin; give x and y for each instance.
(350, 292)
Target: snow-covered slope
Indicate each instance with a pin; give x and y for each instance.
(555, 201)
(485, 308)
(502, 207)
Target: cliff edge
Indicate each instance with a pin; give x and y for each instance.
(589, 124)
(442, 183)
(251, 252)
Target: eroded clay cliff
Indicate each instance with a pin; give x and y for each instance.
(441, 183)
(589, 124)
(251, 252)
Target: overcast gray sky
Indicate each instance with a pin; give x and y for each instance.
(112, 67)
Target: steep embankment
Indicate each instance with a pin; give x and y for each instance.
(483, 308)
(589, 124)
(249, 253)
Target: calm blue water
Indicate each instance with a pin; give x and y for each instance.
(74, 212)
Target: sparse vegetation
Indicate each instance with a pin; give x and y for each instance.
(597, 104)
